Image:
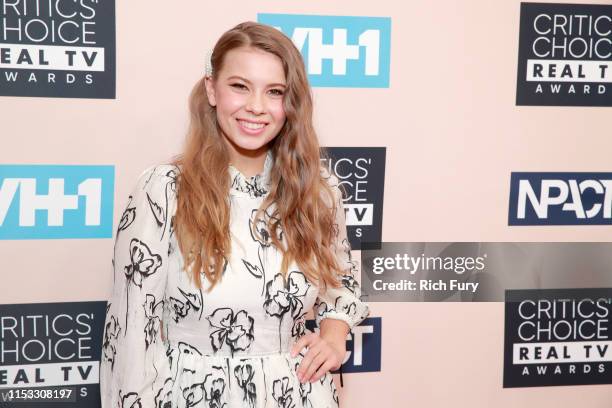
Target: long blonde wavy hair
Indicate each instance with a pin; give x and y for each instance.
(304, 202)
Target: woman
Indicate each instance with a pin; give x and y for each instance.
(220, 255)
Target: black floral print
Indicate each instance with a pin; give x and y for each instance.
(299, 326)
(163, 399)
(255, 270)
(244, 377)
(334, 392)
(260, 234)
(153, 320)
(142, 262)
(255, 186)
(128, 216)
(160, 209)
(259, 228)
(190, 301)
(214, 388)
(350, 283)
(109, 344)
(282, 393)
(193, 394)
(305, 390)
(130, 400)
(348, 279)
(183, 346)
(252, 187)
(281, 299)
(180, 359)
(233, 330)
(346, 306)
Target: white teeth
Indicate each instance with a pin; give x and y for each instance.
(250, 125)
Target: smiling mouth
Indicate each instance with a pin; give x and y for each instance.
(251, 125)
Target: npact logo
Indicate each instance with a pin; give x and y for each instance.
(339, 51)
(56, 201)
(560, 199)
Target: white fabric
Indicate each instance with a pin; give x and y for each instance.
(227, 348)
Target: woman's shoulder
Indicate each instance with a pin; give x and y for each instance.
(160, 171)
(159, 179)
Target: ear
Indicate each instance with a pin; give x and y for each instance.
(210, 90)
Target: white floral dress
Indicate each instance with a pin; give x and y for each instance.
(227, 348)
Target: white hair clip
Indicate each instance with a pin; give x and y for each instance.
(208, 65)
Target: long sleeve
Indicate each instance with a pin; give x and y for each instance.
(344, 302)
(134, 366)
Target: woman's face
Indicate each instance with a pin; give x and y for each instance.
(248, 95)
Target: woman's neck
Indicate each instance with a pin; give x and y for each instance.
(249, 164)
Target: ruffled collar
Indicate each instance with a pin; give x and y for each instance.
(254, 186)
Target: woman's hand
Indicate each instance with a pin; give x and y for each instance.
(322, 356)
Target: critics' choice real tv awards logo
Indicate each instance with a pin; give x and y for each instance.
(339, 51)
(57, 48)
(52, 346)
(560, 199)
(363, 346)
(558, 337)
(56, 201)
(361, 176)
(565, 55)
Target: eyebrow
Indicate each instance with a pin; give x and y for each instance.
(249, 82)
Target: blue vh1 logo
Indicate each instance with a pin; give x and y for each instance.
(339, 51)
(363, 346)
(56, 201)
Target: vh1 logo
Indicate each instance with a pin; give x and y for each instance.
(56, 201)
(339, 51)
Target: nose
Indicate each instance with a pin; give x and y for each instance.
(255, 103)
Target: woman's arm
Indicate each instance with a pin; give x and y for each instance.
(337, 310)
(134, 367)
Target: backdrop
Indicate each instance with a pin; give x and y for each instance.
(442, 101)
